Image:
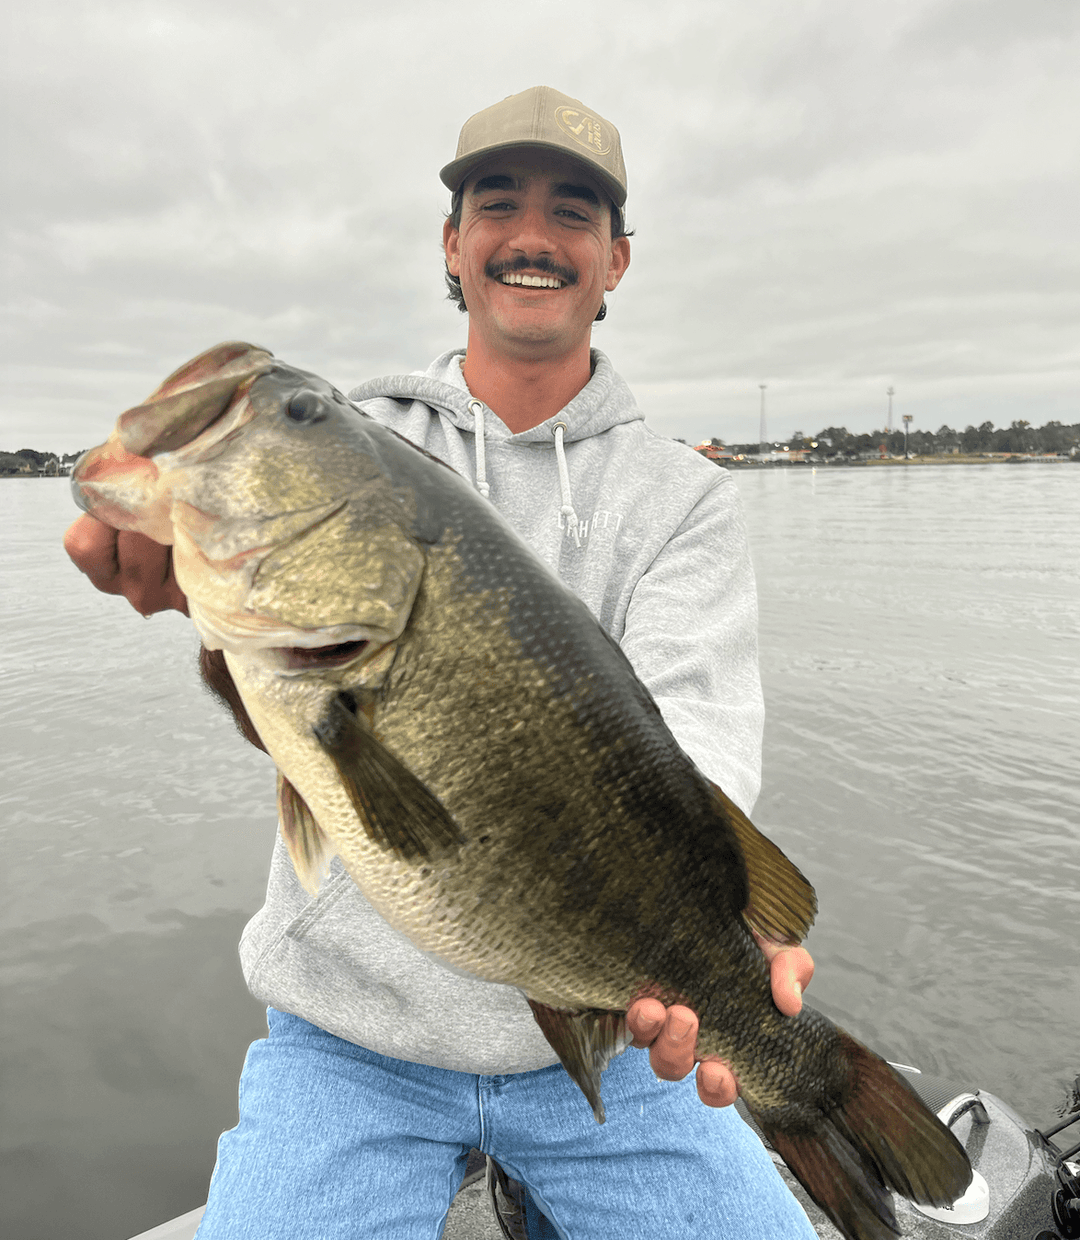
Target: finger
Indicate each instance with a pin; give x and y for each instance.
(91, 544)
(645, 1019)
(672, 1053)
(790, 971)
(716, 1086)
(147, 575)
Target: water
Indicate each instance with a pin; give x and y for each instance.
(920, 660)
(135, 831)
(921, 665)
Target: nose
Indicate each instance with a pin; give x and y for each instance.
(531, 234)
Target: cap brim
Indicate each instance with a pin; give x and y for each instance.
(456, 173)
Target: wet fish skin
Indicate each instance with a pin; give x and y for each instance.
(449, 719)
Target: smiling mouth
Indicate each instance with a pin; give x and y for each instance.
(517, 277)
(531, 271)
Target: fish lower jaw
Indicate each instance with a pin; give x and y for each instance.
(245, 633)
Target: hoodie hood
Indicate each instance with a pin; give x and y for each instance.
(605, 401)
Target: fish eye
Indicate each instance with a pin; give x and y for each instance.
(305, 407)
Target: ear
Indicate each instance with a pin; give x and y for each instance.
(620, 260)
(451, 241)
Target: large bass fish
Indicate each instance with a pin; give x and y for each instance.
(452, 722)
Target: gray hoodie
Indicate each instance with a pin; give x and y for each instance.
(651, 536)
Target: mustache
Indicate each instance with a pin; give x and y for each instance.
(542, 264)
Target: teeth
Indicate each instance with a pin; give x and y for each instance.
(515, 277)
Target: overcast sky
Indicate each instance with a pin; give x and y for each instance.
(829, 198)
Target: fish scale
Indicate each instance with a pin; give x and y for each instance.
(450, 720)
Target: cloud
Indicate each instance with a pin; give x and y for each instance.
(830, 199)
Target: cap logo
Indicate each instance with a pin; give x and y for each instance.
(584, 129)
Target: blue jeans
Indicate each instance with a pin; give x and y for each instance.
(335, 1142)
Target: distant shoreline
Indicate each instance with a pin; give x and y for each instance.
(954, 459)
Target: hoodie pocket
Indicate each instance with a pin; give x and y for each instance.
(278, 920)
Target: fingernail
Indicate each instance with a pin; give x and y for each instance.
(679, 1029)
(798, 991)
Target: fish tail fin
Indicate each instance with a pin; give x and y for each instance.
(879, 1138)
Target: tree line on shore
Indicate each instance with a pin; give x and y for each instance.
(1019, 437)
(30, 461)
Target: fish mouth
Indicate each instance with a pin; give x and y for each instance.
(317, 658)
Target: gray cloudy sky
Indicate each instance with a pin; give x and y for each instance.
(829, 198)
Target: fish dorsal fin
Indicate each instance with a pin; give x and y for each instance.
(782, 903)
(308, 844)
(585, 1042)
(397, 810)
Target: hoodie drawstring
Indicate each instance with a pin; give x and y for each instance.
(567, 509)
(476, 408)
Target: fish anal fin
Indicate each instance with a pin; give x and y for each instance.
(782, 903)
(586, 1042)
(308, 844)
(397, 810)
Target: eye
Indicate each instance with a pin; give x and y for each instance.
(305, 407)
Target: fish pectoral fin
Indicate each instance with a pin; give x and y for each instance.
(308, 844)
(585, 1042)
(782, 903)
(396, 809)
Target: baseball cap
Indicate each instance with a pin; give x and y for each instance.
(541, 117)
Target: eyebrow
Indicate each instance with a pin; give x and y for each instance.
(564, 189)
(494, 182)
(568, 190)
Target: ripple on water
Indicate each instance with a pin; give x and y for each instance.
(919, 658)
(918, 639)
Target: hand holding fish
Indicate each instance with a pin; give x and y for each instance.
(671, 1033)
(125, 562)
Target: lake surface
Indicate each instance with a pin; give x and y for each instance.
(920, 640)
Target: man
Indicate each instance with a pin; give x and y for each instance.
(382, 1068)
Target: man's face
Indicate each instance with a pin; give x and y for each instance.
(534, 253)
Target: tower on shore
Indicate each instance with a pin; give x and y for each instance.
(762, 440)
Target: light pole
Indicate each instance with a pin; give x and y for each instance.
(907, 420)
(888, 424)
(761, 429)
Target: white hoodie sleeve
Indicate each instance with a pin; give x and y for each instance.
(691, 635)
